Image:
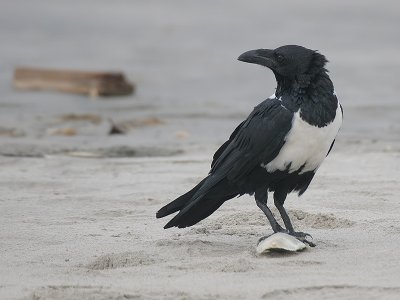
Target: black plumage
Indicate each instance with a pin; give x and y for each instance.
(278, 148)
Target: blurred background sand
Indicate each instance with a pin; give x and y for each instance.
(84, 228)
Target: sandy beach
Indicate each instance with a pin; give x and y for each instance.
(77, 212)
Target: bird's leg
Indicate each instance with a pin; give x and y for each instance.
(261, 200)
(279, 199)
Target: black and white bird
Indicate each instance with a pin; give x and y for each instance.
(278, 148)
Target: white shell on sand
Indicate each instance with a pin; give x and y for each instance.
(279, 242)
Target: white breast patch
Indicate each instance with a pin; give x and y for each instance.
(306, 145)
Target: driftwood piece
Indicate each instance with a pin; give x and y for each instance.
(87, 83)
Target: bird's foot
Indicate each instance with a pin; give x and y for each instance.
(302, 236)
(279, 228)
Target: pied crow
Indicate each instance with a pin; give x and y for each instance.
(278, 148)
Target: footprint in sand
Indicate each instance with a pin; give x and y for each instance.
(335, 292)
(78, 292)
(121, 260)
(254, 223)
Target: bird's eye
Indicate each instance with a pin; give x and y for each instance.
(280, 58)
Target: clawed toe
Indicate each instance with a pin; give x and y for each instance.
(279, 228)
(302, 236)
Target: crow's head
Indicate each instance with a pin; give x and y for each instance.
(289, 61)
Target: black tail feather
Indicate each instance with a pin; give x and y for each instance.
(179, 202)
(201, 206)
(194, 214)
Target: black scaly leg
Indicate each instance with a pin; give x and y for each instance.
(279, 200)
(261, 197)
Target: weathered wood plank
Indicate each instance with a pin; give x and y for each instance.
(79, 82)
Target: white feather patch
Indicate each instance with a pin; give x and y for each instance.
(306, 145)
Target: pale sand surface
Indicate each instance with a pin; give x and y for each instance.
(79, 227)
(85, 228)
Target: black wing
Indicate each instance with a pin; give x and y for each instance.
(256, 140)
(330, 148)
(221, 149)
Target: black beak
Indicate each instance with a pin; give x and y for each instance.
(263, 57)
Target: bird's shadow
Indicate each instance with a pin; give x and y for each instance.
(280, 253)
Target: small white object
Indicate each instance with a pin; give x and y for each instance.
(279, 242)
